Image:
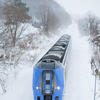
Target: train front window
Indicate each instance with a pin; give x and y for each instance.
(48, 65)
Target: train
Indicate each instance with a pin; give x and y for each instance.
(49, 74)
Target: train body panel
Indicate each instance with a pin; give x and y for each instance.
(49, 72)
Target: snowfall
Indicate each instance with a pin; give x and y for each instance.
(80, 81)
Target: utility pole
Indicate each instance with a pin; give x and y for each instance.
(95, 71)
(95, 87)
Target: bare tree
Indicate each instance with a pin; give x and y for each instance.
(12, 27)
(15, 21)
(48, 18)
(89, 25)
(93, 25)
(3, 85)
(44, 11)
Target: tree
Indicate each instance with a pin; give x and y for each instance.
(89, 25)
(12, 26)
(20, 4)
(15, 22)
(1, 11)
(48, 18)
(92, 25)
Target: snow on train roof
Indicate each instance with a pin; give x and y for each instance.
(66, 36)
(61, 44)
(56, 54)
(51, 57)
(57, 48)
(62, 40)
(57, 51)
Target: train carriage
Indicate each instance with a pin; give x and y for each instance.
(49, 72)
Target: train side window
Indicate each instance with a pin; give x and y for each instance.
(56, 98)
(38, 97)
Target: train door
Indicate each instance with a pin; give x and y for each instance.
(47, 97)
(47, 82)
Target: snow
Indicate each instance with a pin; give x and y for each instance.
(22, 87)
(79, 79)
(30, 29)
(98, 89)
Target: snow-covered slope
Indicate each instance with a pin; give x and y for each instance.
(98, 89)
(20, 86)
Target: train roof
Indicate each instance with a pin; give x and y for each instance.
(61, 44)
(55, 55)
(57, 48)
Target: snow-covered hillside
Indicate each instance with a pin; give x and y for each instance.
(79, 78)
(19, 84)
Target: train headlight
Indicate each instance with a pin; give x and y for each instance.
(37, 88)
(58, 87)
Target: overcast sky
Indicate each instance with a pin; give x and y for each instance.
(80, 7)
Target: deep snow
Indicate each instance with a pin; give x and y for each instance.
(98, 89)
(79, 78)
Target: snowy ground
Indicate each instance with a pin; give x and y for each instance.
(79, 79)
(98, 89)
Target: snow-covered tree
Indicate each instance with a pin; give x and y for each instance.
(48, 18)
(20, 4)
(89, 25)
(15, 21)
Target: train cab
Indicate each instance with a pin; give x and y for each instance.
(47, 84)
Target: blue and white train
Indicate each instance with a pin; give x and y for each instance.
(49, 74)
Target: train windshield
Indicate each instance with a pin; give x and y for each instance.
(48, 64)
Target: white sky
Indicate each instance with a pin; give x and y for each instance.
(81, 7)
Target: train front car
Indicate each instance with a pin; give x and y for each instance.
(49, 72)
(48, 80)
